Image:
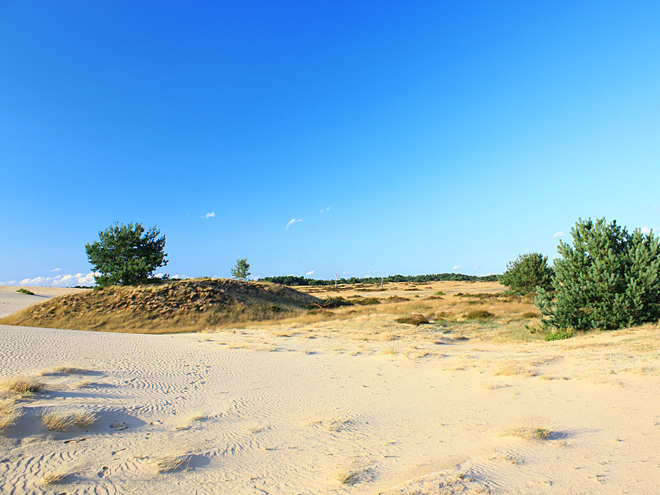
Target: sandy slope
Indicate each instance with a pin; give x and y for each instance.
(313, 410)
(12, 301)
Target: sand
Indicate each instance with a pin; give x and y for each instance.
(311, 409)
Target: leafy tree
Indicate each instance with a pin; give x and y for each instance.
(242, 270)
(609, 278)
(126, 254)
(526, 273)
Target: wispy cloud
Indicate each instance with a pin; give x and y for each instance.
(67, 280)
(646, 230)
(310, 273)
(558, 234)
(456, 267)
(476, 266)
(56, 270)
(292, 221)
(210, 214)
(325, 209)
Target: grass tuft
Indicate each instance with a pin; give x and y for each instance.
(170, 463)
(9, 414)
(480, 314)
(22, 385)
(414, 319)
(51, 478)
(530, 433)
(63, 421)
(25, 291)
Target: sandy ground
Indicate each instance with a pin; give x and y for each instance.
(12, 301)
(312, 409)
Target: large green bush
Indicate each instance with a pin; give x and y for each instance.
(526, 273)
(126, 254)
(609, 278)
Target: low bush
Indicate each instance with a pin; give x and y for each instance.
(414, 319)
(480, 314)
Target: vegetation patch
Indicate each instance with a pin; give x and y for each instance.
(166, 306)
(531, 433)
(63, 421)
(414, 319)
(560, 334)
(367, 301)
(22, 385)
(479, 315)
(9, 413)
(396, 299)
(25, 291)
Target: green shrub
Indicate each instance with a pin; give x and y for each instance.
(607, 279)
(479, 315)
(367, 301)
(25, 291)
(526, 273)
(558, 335)
(414, 319)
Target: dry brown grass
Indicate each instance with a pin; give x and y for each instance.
(530, 432)
(63, 370)
(51, 478)
(167, 307)
(9, 413)
(22, 385)
(63, 421)
(169, 463)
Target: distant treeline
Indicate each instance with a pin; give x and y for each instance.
(292, 280)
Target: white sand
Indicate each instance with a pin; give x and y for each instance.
(294, 414)
(12, 301)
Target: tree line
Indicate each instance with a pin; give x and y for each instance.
(292, 280)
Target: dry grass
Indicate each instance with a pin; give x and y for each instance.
(167, 307)
(9, 413)
(63, 421)
(530, 432)
(22, 385)
(169, 463)
(63, 370)
(54, 477)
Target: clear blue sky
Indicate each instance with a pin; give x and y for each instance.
(401, 137)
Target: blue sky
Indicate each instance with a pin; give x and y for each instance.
(314, 138)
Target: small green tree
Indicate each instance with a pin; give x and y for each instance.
(526, 273)
(126, 254)
(242, 270)
(607, 279)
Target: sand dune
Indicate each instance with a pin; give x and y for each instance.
(313, 409)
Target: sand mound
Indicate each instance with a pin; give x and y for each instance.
(181, 305)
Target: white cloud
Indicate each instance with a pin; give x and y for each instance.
(210, 214)
(646, 230)
(58, 280)
(558, 234)
(325, 209)
(476, 266)
(309, 273)
(292, 221)
(86, 280)
(456, 267)
(56, 270)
